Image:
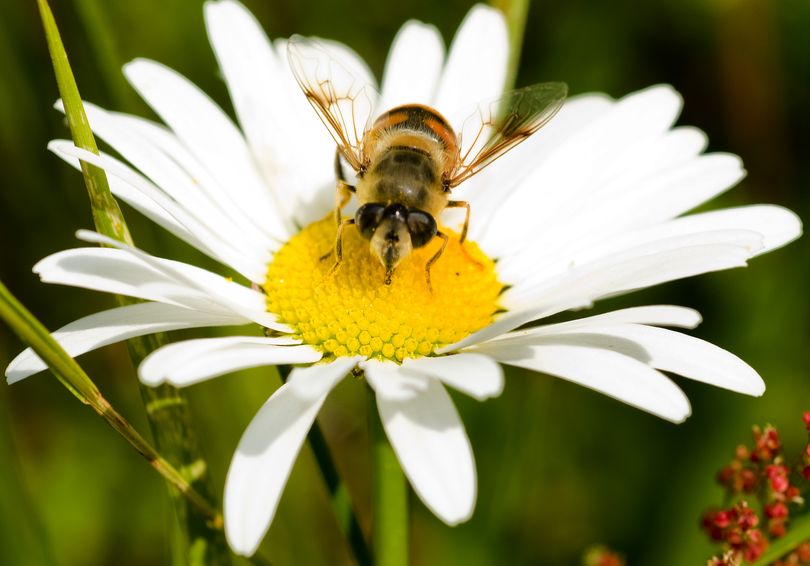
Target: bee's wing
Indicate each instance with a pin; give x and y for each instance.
(342, 96)
(498, 126)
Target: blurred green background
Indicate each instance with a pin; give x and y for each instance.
(560, 467)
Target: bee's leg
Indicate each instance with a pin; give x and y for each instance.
(435, 257)
(463, 238)
(459, 204)
(343, 193)
(338, 244)
(343, 190)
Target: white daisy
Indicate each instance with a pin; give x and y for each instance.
(590, 207)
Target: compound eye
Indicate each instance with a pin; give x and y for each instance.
(368, 217)
(422, 228)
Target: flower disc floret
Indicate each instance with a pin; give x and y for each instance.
(351, 311)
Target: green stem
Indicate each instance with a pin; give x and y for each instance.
(167, 412)
(338, 494)
(515, 12)
(390, 496)
(799, 532)
(72, 376)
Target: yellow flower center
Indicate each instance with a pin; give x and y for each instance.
(353, 312)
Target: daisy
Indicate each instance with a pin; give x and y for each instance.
(592, 206)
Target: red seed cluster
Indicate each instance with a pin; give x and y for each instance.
(602, 556)
(737, 527)
(758, 478)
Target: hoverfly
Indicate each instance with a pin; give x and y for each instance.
(408, 160)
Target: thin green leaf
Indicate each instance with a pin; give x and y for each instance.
(106, 213)
(68, 371)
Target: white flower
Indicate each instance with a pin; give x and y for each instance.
(590, 207)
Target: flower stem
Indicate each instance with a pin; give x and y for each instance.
(516, 12)
(167, 409)
(339, 495)
(799, 532)
(390, 496)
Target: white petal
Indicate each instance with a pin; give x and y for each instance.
(687, 356)
(265, 456)
(218, 289)
(476, 375)
(309, 383)
(177, 174)
(608, 372)
(490, 189)
(211, 136)
(134, 197)
(116, 325)
(631, 270)
(775, 225)
(115, 271)
(413, 66)
(432, 446)
(476, 65)
(635, 267)
(192, 361)
(205, 239)
(658, 315)
(282, 130)
(251, 67)
(655, 315)
(619, 172)
(207, 186)
(778, 226)
(389, 380)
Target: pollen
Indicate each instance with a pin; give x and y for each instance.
(351, 311)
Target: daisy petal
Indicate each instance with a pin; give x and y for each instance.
(634, 269)
(224, 292)
(476, 375)
(413, 66)
(636, 266)
(207, 131)
(266, 453)
(205, 239)
(391, 382)
(309, 384)
(476, 65)
(192, 361)
(683, 355)
(777, 225)
(115, 271)
(116, 325)
(614, 374)
(251, 68)
(134, 197)
(432, 446)
(289, 144)
(131, 138)
(658, 315)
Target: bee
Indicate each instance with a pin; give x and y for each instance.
(408, 160)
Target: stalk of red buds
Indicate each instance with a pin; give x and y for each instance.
(602, 556)
(759, 478)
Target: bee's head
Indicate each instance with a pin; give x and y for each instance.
(394, 232)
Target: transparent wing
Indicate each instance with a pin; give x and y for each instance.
(340, 92)
(498, 126)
